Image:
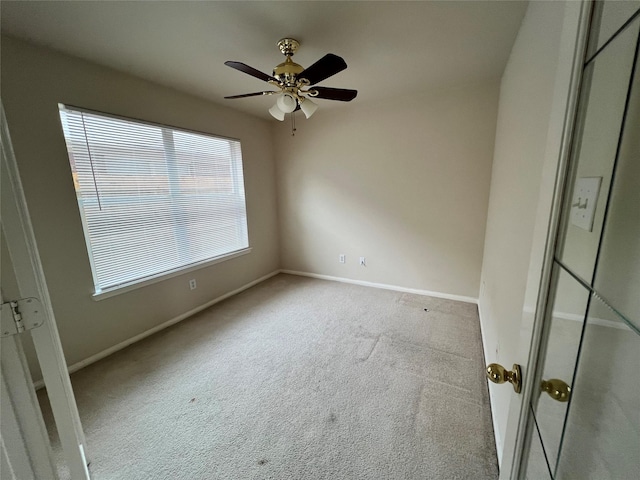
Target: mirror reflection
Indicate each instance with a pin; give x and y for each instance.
(618, 274)
(567, 318)
(608, 17)
(603, 106)
(602, 436)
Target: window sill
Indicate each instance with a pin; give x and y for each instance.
(127, 287)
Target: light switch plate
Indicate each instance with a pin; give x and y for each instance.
(584, 202)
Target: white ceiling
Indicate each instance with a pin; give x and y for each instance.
(391, 48)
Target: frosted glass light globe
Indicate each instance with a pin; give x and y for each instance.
(276, 113)
(287, 103)
(308, 107)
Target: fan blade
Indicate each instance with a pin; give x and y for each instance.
(250, 71)
(341, 94)
(250, 95)
(324, 68)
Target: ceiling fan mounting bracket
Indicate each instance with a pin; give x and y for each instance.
(288, 46)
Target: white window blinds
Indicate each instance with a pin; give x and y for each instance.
(153, 199)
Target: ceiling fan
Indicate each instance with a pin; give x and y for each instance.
(296, 84)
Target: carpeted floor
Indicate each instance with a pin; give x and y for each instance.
(296, 378)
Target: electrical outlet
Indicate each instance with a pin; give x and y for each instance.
(192, 284)
(342, 258)
(363, 261)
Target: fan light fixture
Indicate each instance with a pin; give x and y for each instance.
(294, 82)
(286, 103)
(308, 107)
(277, 113)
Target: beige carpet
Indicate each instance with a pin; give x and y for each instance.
(296, 378)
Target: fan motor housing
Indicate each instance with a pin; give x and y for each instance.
(287, 72)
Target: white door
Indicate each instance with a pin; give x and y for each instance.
(25, 451)
(578, 413)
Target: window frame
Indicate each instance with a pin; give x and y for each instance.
(167, 274)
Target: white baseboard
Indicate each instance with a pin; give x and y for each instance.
(496, 430)
(620, 325)
(384, 286)
(105, 353)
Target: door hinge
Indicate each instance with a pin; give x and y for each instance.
(20, 315)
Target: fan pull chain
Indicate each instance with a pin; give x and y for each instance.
(293, 124)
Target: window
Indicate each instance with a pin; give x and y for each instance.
(153, 199)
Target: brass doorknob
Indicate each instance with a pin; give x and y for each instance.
(557, 389)
(498, 374)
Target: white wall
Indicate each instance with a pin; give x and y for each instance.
(34, 81)
(525, 159)
(404, 184)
